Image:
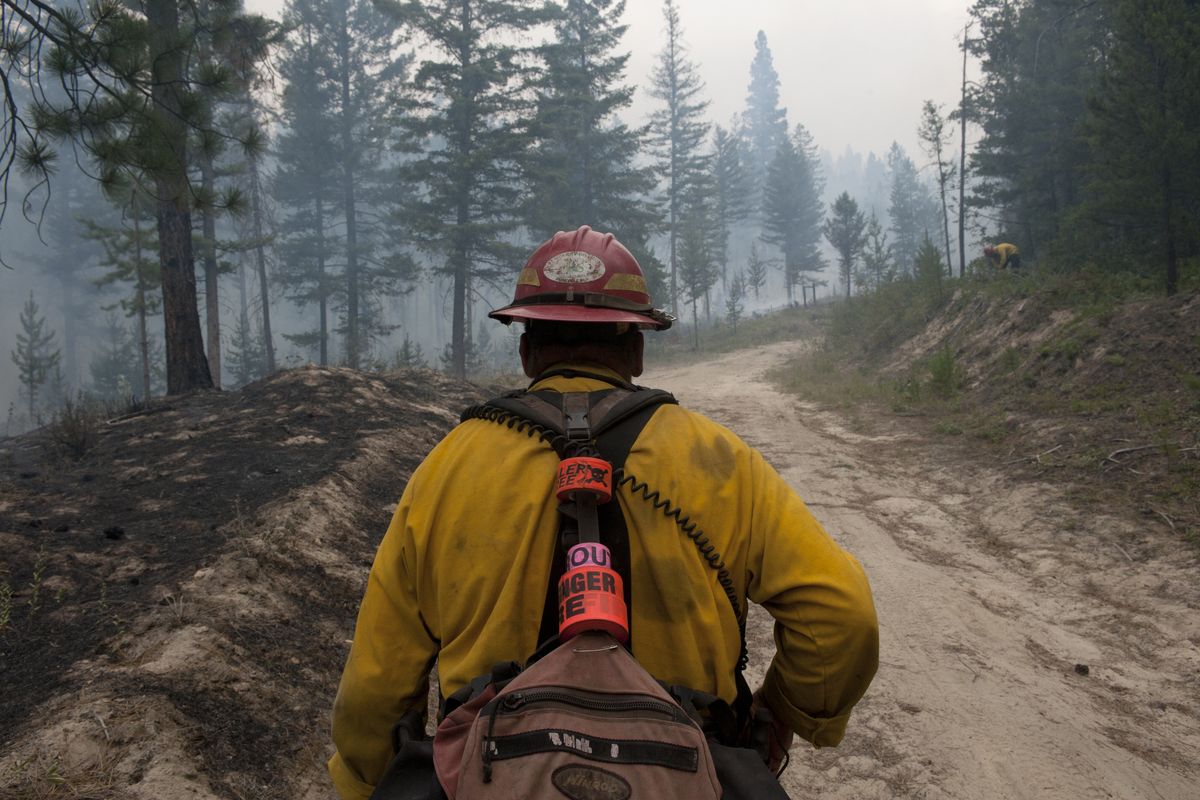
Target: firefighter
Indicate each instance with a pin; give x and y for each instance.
(1003, 256)
(461, 575)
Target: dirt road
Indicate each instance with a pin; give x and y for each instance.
(1028, 650)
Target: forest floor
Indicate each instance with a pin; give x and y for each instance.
(180, 600)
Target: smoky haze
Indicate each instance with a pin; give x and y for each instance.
(854, 74)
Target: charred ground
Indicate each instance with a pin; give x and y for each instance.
(178, 600)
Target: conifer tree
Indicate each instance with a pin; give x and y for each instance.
(876, 256)
(582, 167)
(732, 192)
(1040, 62)
(698, 269)
(246, 356)
(129, 255)
(844, 230)
(756, 271)
(764, 123)
(935, 138)
(36, 356)
(909, 208)
(470, 121)
(114, 365)
(678, 131)
(733, 301)
(129, 98)
(409, 356)
(305, 182)
(1142, 128)
(793, 212)
(928, 268)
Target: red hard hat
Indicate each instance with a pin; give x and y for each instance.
(989, 250)
(583, 276)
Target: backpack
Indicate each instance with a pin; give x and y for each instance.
(585, 720)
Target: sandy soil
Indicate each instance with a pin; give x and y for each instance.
(1028, 650)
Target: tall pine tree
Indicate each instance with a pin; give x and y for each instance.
(764, 122)
(678, 131)
(1142, 126)
(470, 120)
(792, 208)
(582, 167)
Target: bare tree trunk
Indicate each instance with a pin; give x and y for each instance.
(187, 367)
(261, 262)
(140, 269)
(962, 167)
(322, 290)
(1169, 229)
(212, 298)
(353, 335)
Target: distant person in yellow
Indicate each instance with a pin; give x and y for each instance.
(1003, 256)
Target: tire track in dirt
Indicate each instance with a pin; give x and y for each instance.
(989, 595)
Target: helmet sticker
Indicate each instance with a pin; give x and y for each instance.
(574, 266)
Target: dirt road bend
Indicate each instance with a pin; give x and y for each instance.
(1028, 650)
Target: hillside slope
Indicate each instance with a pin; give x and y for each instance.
(179, 601)
(1097, 393)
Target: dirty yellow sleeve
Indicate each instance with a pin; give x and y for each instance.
(462, 571)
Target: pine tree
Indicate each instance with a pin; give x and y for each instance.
(129, 98)
(934, 138)
(928, 268)
(1040, 62)
(129, 255)
(698, 268)
(793, 212)
(470, 117)
(876, 256)
(844, 230)
(582, 167)
(1142, 127)
(733, 301)
(409, 356)
(756, 271)
(764, 122)
(246, 356)
(678, 131)
(733, 191)
(114, 366)
(305, 183)
(36, 356)
(908, 209)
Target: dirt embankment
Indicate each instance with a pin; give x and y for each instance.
(179, 601)
(1103, 395)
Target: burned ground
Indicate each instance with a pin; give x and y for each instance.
(177, 602)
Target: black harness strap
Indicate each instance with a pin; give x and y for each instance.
(616, 418)
(614, 431)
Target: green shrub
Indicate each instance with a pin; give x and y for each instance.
(946, 376)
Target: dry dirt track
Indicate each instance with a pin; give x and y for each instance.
(990, 593)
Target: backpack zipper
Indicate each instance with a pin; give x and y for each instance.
(591, 702)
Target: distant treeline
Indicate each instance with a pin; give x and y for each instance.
(1090, 111)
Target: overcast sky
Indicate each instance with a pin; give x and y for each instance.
(855, 72)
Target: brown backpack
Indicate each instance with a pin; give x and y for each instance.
(545, 735)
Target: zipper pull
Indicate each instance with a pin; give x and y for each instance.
(512, 701)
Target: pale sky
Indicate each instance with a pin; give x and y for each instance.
(855, 72)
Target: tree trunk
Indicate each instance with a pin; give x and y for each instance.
(140, 269)
(187, 367)
(1169, 230)
(962, 168)
(322, 290)
(261, 262)
(353, 335)
(212, 298)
